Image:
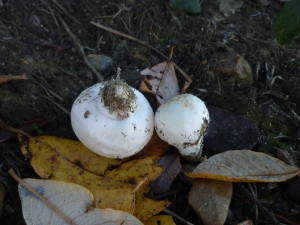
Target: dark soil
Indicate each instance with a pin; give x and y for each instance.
(34, 40)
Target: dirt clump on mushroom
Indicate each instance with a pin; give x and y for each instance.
(119, 98)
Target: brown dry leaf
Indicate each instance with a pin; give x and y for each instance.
(211, 199)
(73, 200)
(244, 166)
(161, 220)
(6, 78)
(163, 81)
(171, 168)
(155, 147)
(68, 160)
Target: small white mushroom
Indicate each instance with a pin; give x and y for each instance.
(182, 121)
(112, 119)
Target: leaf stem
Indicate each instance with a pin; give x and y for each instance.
(40, 197)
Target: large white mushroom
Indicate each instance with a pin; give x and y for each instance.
(182, 121)
(112, 119)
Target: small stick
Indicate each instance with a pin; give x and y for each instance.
(260, 206)
(4, 126)
(6, 78)
(177, 217)
(189, 80)
(80, 48)
(40, 197)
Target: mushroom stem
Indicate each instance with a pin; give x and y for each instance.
(191, 152)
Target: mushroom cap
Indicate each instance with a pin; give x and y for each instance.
(100, 130)
(182, 121)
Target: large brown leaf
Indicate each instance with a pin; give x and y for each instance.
(244, 166)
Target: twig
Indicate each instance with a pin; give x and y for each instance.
(40, 197)
(189, 80)
(4, 126)
(260, 206)
(58, 105)
(80, 48)
(65, 11)
(177, 217)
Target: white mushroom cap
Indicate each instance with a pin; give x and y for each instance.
(182, 121)
(108, 126)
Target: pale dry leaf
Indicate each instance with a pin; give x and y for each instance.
(211, 199)
(162, 82)
(73, 200)
(244, 166)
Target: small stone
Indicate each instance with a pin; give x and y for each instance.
(101, 62)
(234, 65)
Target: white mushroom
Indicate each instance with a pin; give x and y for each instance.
(182, 121)
(112, 119)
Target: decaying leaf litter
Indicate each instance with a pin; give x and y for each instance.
(265, 101)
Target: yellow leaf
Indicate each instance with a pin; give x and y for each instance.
(210, 199)
(162, 220)
(244, 166)
(112, 182)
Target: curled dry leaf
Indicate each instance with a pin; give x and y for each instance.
(171, 168)
(244, 166)
(228, 131)
(211, 199)
(73, 200)
(68, 160)
(162, 82)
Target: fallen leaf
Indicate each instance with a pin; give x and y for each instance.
(286, 25)
(160, 220)
(155, 147)
(68, 160)
(227, 131)
(290, 187)
(244, 166)
(73, 200)
(234, 65)
(6, 78)
(163, 82)
(191, 6)
(211, 199)
(171, 168)
(246, 222)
